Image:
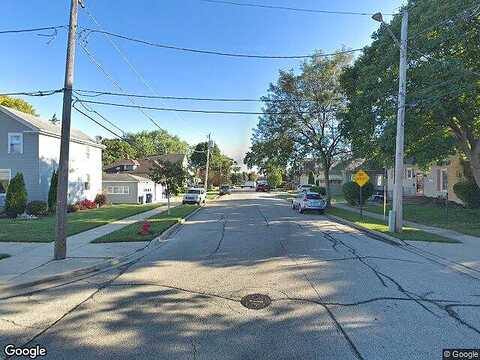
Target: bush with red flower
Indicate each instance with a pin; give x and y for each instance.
(86, 204)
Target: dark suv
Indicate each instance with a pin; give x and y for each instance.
(263, 188)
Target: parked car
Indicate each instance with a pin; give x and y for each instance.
(249, 184)
(262, 187)
(304, 188)
(224, 190)
(194, 196)
(309, 201)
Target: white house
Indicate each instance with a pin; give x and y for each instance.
(31, 146)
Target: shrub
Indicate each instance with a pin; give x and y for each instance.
(101, 199)
(37, 208)
(86, 204)
(71, 208)
(351, 192)
(469, 193)
(319, 189)
(311, 178)
(52, 192)
(16, 198)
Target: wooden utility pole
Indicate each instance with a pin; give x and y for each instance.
(60, 250)
(400, 141)
(208, 164)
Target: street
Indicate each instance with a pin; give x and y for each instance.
(335, 294)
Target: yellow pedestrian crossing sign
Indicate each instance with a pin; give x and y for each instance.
(361, 178)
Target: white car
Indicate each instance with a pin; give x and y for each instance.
(309, 201)
(194, 196)
(304, 188)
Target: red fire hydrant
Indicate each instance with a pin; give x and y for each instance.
(145, 228)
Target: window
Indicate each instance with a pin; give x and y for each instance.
(379, 180)
(87, 152)
(86, 185)
(118, 190)
(444, 180)
(409, 173)
(5, 175)
(15, 143)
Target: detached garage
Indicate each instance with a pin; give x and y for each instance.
(129, 189)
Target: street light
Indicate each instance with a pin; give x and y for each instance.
(395, 219)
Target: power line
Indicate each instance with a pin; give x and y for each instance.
(213, 52)
(96, 122)
(95, 93)
(114, 82)
(38, 93)
(224, 112)
(17, 31)
(287, 8)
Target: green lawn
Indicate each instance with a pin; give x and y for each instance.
(378, 225)
(4, 256)
(159, 223)
(42, 230)
(466, 221)
(212, 194)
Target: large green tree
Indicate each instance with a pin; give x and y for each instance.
(17, 104)
(116, 149)
(443, 104)
(220, 165)
(301, 117)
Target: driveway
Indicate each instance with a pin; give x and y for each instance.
(335, 294)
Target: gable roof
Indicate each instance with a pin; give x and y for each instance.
(46, 127)
(173, 158)
(123, 177)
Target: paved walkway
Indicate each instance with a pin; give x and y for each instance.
(33, 261)
(467, 253)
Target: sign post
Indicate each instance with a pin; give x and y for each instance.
(361, 178)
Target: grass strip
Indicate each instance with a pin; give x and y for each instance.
(159, 223)
(408, 233)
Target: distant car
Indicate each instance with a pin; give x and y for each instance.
(224, 190)
(262, 187)
(309, 201)
(249, 184)
(304, 188)
(194, 196)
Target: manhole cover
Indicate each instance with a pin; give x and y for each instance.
(256, 301)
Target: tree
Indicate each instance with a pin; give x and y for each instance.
(16, 198)
(18, 104)
(274, 176)
(157, 142)
(172, 175)
(52, 192)
(252, 176)
(311, 178)
(302, 110)
(116, 149)
(443, 112)
(219, 167)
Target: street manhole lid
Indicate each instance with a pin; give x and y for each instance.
(256, 301)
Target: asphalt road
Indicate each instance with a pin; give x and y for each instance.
(335, 294)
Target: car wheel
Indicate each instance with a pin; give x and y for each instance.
(293, 206)
(300, 210)
(321, 212)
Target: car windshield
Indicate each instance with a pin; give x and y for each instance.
(313, 197)
(192, 191)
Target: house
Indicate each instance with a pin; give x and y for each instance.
(125, 188)
(31, 146)
(128, 180)
(436, 182)
(340, 173)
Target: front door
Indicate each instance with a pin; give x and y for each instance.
(420, 181)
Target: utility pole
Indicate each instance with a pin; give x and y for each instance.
(60, 250)
(400, 141)
(208, 163)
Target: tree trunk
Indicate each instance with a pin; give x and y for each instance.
(475, 163)
(326, 173)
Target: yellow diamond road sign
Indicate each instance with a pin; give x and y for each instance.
(361, 178)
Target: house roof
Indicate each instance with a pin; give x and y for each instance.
(122, 162)
(173, 158)
(46, 127)
(123, 177)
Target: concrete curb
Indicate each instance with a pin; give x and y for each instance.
(372, 233)
(111, 263)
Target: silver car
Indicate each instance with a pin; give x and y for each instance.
(309, 201)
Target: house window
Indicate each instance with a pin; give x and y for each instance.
(409, 173)
(86, 185)
(379, 180)
(15, 143)
(87, 152)
(118, 190)
(444, 180)
(5, 175)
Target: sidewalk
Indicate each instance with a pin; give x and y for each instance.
(29, 262)
(466, 253)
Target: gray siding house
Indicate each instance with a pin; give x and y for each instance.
(31, 146)
(129, 189)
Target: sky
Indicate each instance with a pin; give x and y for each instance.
(32, 62)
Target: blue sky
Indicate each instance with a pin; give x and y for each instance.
(29, 63)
